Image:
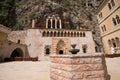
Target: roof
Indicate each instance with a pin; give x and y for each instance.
(104, 2)
(4, 29)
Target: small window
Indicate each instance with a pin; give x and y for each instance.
(109, 6)
(112, 2)
(18, 42)
(100, 15)
(118, 19)
(84, 47)
(104, 27)
(47, 51)
(114, 21)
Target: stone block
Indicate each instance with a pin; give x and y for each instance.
(78, 67)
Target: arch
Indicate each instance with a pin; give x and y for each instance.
(71, 34)
(17, 53)
(80, 34)
(118, 19)
(58, 24)
(83, 34)
(74, 34)
(55, 34)
(77, 34)
(49, 23)
(68, 34)
(44, 34)
(58, 34)
(60, 47)
(62, 34)
(65, 34)
(47, 33)
(53, 23)
(51, 34)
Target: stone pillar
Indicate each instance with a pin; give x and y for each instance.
(51, 23)
(78, 67)
(46, 23)
(55, 23)
(60, 24)
(33, 23)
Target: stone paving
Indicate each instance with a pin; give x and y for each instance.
(40, 70)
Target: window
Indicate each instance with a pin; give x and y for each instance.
(112, 2)
(104, 27)
(118, 19)
(109, 6)
(84, 47)
(47, 49)
(100, 15)
(18, 42)
(114, 21)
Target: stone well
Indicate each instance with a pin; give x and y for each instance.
(78, 67)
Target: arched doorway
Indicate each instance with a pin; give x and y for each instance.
(60, 47)
(17, 53)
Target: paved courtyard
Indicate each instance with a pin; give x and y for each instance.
(40, 70)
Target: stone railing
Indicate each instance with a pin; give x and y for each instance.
(78, 67)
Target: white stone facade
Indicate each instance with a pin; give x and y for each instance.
(37, 43)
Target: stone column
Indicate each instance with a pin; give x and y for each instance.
(55, 23)
(46, 23)
(51, 23)
(60, 24)
(33, 23)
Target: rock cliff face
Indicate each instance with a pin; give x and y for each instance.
(79, 13)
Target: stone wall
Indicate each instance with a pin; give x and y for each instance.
(78, 67)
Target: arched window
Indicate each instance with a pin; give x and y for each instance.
(114, 21)
(65, 34)
(53, 24)
(104, 27)
(109, 43)
(58, 34)
(77, 34)
(61, 34)
(71, 34)
(109, 6)
(49, 24)
(47, 50)
(112, 2)
(80, 34)
(83, 34)
(118, 19)
(55, 34)
(47, 34)
(68, 34)
(84, 47)
(113, 43)
(117, 41)
(58, 24)
(18, 42)
(74, 34)
(51, 34)
(43, 34)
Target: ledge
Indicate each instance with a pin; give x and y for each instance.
(77, 55)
